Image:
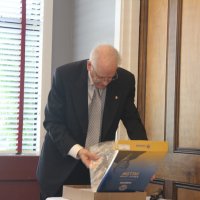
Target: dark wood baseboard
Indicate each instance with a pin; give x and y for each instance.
(18, 177)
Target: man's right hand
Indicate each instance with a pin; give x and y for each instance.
(86, 156)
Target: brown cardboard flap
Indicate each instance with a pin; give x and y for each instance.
(72, 192)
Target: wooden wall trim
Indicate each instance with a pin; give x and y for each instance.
(187, 150)
(187, 186)
(18, 177)
(177, 149)
(18, 167)
(169, 189)
(190, 188)
(171, 73)
(142, 59)
(182, 168)
(178, 69)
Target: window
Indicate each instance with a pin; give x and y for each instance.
(20, 55)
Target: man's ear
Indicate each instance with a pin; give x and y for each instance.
(89, 65)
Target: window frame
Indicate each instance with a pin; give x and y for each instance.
(46, 64)
(44, 78)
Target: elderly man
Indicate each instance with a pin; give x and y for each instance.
(87, 100)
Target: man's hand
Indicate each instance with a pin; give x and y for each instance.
(86, 157)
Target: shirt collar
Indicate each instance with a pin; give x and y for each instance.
(90, 81)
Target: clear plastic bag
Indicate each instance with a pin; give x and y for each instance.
(106, 152)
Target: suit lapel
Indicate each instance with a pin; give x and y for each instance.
(80, 99)
(111, 106)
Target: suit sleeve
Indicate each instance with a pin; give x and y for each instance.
(55, 122)
(130, 116)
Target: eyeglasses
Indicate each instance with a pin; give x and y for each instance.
(102, 78)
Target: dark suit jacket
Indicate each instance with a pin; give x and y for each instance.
(66, 119)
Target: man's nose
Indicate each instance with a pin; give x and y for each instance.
(106, 82)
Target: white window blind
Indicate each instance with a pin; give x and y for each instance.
(20, 50)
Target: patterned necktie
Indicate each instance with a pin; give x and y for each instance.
(94, 126)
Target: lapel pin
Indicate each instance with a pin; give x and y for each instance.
(116, 97)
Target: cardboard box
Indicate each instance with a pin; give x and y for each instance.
(73, 192)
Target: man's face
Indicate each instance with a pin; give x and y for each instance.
(102, 75)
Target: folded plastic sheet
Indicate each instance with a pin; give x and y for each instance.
(106, 152)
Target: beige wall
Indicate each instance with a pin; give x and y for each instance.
(171, 74)
(127, 40)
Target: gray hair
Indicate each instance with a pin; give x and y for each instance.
(95, 52)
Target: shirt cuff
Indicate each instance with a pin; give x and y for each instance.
(74, 151)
